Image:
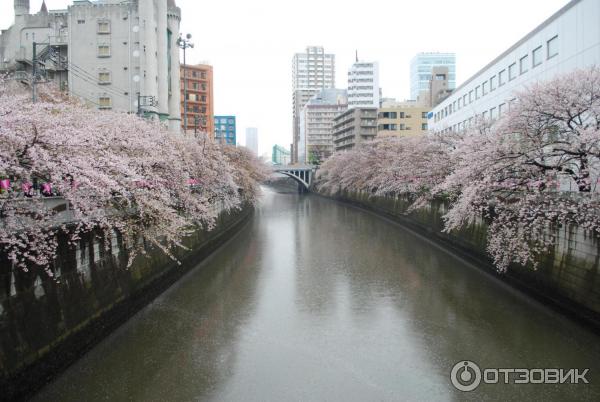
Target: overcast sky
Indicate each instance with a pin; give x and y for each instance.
(251, 44)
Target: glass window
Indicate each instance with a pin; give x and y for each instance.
(484, 115)
(103, 27)
(501, 109)
(523, 64)
(424, 126)
(103, 51)
(484, 88)
(512, 71)
(464, 100)
(104, 77)
(470, 96)
(501, 78)
(493, 113)
(493, 83)
(477, 92)
(104, 102)
(536, 58)
(423, 115)
(552, 47)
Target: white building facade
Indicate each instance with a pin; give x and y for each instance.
(252, 139)
(568, 40)
(109, 52)
(316, 122)
(312, 71)
(363, 85)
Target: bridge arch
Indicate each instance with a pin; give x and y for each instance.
(301, 175)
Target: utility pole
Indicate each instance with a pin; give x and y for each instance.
(33, 72)
(184, 44)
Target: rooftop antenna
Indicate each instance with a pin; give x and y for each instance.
(357, 55)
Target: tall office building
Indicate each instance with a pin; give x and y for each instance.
(105, 52)
(225, 130)
(312, 71)
(363, 85)
(200, 104)
(420, 72)
(316, 121)
(252, 139)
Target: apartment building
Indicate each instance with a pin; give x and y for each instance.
(312, 71)
(105, 52)
(568, 40)
(363, 85)
(199, 116)
(316, 120)
(353, 127)
(225, 130)
(402, 119)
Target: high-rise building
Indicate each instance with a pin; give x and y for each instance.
(312, 71)
(363, 85)
(105, 52)
(280, 156)
(316, 122)
(353, 127)
(438, 86)
(200, 103)
(225, 130)
(420, 72)
(402, 119)
(252, 139)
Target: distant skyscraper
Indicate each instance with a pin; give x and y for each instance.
(363, 85)
(252, 139)
(225, 131)
(312, 71)
(420, 72)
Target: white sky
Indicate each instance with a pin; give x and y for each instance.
(251, 44)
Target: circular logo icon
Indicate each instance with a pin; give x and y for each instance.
(465, 376)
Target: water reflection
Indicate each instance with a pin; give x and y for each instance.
(316, 300)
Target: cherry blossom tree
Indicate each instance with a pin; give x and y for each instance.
(112, 171)
(514, 172)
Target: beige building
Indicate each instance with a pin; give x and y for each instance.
(402, 119)
(353, 127)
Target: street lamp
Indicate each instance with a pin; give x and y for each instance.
(184, 44)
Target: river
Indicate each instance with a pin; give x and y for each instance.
(318, 301)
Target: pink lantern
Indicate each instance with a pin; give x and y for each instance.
(47, 188)
(4, 184)
(26, 187)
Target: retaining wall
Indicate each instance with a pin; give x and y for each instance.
(47, 324)
(567, 277)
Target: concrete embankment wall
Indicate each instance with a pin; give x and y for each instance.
(46, 324)
(567, 277)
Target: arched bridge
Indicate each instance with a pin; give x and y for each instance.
(302, 174)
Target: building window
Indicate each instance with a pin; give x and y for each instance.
(424, 126)
(501, 109)
(193, 97)
(80, 22)
(104, 102)
(492, 83)
(103, 27)
(470, 96)
(501, 78)
(464, 100)
(484, 88)
(536, 58)
(484, 115)
(103, 50)
(423, 115)
(523, 64)
(104, 77)
(493, 113)
(477, 92)
(512, 71)
(552, 47)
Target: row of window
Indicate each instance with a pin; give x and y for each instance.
(503, 76)
(224, 120)
(491, 114)
(395, 115)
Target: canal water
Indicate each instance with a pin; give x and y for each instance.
(318, 301)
